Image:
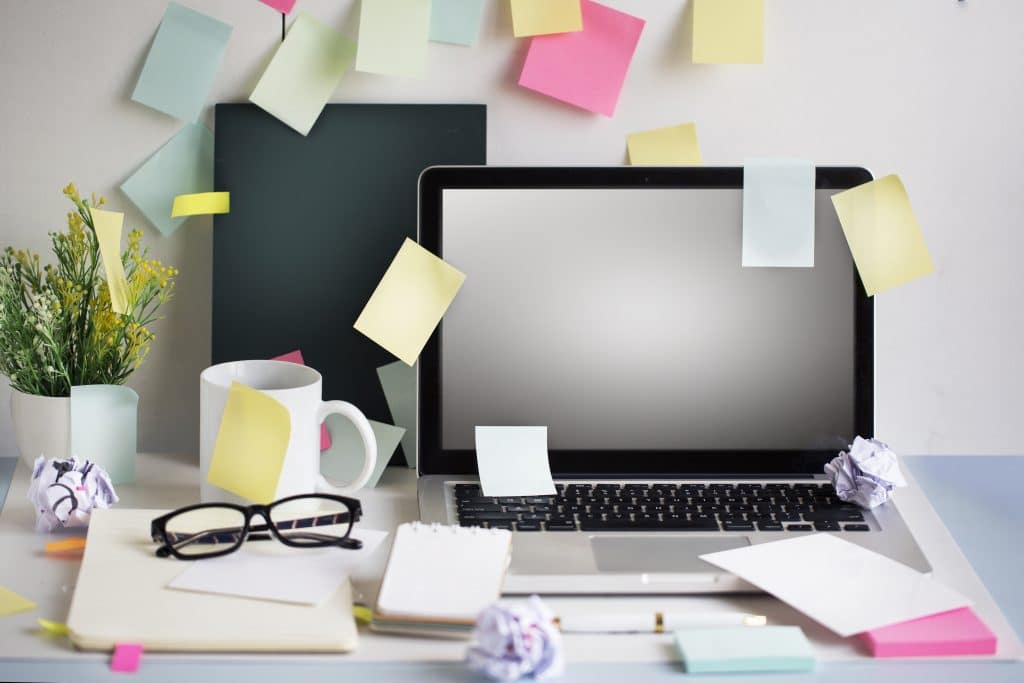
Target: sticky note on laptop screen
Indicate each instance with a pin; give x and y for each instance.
(778, 213)
(513, 461)
(884, 237)
(744, 649)
(728, 31)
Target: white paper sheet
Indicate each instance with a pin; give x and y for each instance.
(846, 588)
(513, 461)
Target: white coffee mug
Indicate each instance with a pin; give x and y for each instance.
(299, 389)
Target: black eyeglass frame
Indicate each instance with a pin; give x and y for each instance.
(159, 534)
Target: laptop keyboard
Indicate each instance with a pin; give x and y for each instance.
(664, 507)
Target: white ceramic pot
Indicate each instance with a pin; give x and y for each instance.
(42, 425)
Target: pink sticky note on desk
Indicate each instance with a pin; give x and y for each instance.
(126, 658)
(296, 357)
(957, 632)
(280, 5)
(586, 68)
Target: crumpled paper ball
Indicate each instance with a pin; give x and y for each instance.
(64, 492)
(866, 474)
(511, 641)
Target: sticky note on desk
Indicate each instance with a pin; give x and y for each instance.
(884, 237)
(541, 17)
(303, 73)
(296, 357)
(728, 31)
(744, 649)
(778, 213)
(410, 300)
(398, 381)
(953, 633)
(108, 225)
(513, 461)
(126, 658)
(12, 603)
(588, 68)
(393, 37)
(669, 146)
(182, 62)
(455, 21)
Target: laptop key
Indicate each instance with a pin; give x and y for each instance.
(497, 516)
(517, 508)
(799, 527)
(528, 526)
(834, 516)
(561, 525)
(738, 526)
(479, 507)
(856, 527)
(826, 526)
(651, 525)
(500, 525)
(769, 526)
(533, 517)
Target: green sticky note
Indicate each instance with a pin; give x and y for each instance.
(343, 461)
(303, 74)
(455, 21)
(398, 381)
(104, 426)
(182, 166)
(393, 37)
(744, 649)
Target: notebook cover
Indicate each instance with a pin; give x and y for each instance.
(953, 633)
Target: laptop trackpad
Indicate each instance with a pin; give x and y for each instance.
(655, 554)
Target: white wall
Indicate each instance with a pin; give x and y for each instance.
(926, 88)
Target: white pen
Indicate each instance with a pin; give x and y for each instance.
(659, 622)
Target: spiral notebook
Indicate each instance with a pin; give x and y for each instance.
(439, 578)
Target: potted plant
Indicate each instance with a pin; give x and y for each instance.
(57, 328)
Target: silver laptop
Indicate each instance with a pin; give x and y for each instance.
(691, 403)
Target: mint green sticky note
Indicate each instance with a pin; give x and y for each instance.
(398, 381)
(342, 462)
(182, 166)
(303, 74)
(393, 37)
(778, 213)
(744, 649)
(455, 21)
(182, 63)
(104, 428)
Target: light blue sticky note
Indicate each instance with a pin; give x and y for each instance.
(398, 381)
(104, 428)
(513, 461)
(182, 63)
(778, 213)
(343, 461)
(744, 648)
(182, 166)
(455, 21)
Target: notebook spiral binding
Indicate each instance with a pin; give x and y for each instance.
(436, 527)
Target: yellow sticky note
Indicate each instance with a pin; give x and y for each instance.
(671, 146)
(728, 31)
(12, 603)
(540, 17)
(53, 628)
(108, 231)
(883, 234)
(362, 614)
(201, 203)
(249, 451)
(408, 303)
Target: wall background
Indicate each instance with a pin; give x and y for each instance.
(926, 88)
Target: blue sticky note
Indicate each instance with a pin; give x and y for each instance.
(182, 166)
(343, 461)
(778, 213)
(455, 21)
(104, 428)
(744, 649)
(182, 63)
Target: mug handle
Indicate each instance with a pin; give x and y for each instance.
(356, 417)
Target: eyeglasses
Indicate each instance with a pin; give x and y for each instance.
(214, 529)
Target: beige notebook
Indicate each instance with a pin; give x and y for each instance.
(121, 597)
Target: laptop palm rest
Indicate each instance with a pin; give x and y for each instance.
(658, 554)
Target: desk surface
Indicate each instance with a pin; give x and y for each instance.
(975, 496)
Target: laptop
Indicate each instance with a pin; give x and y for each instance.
(691, 403)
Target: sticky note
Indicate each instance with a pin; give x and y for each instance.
(303, 73)
(126, 658)
(182, 62)
(540, 17)
(728, 31)
(588, 68)
(283, 6)
(201, 203)
(53, 628)
(884, 237)
(410, 300)
(296, 357)
(669, 146)
(513, 461)
(455, 21)
(393, 37)
(398, 381)
(108, 226)
(75, 543)
(104, 428)
(744, 649)
(251, 444)
(362, 614)
(12, 603)
(778, 213)
(343, 461)
(182, 166)
(953, 633)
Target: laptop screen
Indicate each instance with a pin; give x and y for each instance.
(622, 319)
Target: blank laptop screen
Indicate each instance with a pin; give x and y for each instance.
(623, 319)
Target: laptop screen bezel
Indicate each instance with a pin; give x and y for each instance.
(666, 464)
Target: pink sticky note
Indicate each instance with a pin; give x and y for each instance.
(296, 357)
(586, 68)
(280, 5)
(957, 632)
(126, 658)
